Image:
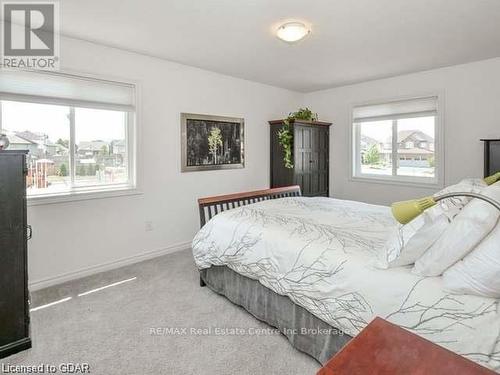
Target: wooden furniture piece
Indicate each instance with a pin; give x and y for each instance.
(384, 348)
(14, 305)
(491, 156)
(211, 206)
(311, 140)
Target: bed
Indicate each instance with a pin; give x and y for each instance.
(308, 267)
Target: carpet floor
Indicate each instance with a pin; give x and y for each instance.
(158, 322)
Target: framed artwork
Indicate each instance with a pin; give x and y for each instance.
(211, 142)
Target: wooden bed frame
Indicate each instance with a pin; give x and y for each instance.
(211, 206)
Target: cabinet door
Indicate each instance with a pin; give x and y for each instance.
(311, 159)
(323, 163)
(12, 249)
(304, 145)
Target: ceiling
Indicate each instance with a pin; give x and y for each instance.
(351, 41)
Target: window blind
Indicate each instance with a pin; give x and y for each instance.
(64, 89)
(397, 109)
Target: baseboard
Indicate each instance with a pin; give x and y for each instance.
(87, 271)
(15, 347)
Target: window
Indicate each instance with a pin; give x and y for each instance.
(79, 134)
(101, 156)
(397, 141)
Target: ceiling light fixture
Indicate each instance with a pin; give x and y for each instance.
(292, 31)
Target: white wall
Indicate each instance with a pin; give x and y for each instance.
(471, 101)
(73, 238)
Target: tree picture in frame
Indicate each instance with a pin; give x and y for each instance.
(211, 142)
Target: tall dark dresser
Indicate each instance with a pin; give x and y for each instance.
(14, 306)
(311, 153)
(491, 156)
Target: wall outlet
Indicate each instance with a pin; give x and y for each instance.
(148, 225)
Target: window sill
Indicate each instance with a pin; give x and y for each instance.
(82, 195)
(407, 183)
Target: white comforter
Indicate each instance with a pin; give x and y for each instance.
(320, 252)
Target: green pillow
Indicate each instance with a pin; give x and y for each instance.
(490, 180)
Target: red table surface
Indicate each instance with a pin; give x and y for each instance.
(384, 348)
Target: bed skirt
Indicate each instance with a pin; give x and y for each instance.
(305, 331)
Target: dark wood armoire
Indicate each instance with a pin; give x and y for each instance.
(14, 296)
(491, 156)
(310, 153)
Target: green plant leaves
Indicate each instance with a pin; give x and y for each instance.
(285, 135)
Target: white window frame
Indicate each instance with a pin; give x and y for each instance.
(424, 182)
(78, 193)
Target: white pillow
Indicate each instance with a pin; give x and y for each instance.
(468, 228)
(479, 272)
(452, 206)
(410, 241)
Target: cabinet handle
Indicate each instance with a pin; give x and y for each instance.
(30, 232)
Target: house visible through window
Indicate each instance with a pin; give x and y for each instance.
(73, 145)
(397, 141)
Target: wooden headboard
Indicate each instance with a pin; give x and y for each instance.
(491, 156)
(211, 206)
